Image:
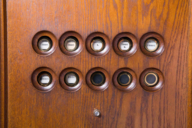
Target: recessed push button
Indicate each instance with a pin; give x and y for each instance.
(124, 45)
(124, 79)
(151, 45)
(71, 79)
(97, 78)
(44, 44)
(44, 79)
(97, 44)
(151, 79)
(71, 44)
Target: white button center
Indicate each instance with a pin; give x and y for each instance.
(124, 45)
(71, 44)
(71, 78)
(45, 79)
(97, 45)
(44, 44)
(151, 45)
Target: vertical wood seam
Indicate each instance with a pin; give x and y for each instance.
(3, 62)
(189, 68)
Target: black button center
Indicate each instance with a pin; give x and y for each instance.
(151, 79)
(124, 79)
(97, 78)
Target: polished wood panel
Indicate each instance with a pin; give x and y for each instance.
(28, 107)
(3, 106)
(190, 68)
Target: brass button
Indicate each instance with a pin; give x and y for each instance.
(97, 44)
(71, 79)
(151, 44)
(44, 79)
(124, 45)
(71, 44)
(151, 79)
(44, 44)
(124, 78)
(98, 78)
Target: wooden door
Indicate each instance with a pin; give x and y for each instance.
(25, 104)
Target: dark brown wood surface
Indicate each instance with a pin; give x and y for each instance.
(23, 106)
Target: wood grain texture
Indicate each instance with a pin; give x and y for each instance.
(27, 107)
(190, 68)
(1, 62)
(3, 33)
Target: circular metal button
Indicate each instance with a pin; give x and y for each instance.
(151, 45)
(71, 79)
(124, 79)
(98, 78)
(44, 79)
(71, 44)
(97, 44)
(124, 45)
(151, 79)
(44, 44)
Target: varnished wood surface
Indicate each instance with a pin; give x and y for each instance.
(3, 107)
(27, 107)
(190, 68)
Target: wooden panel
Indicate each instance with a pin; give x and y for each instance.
(27, 107)
(2, 64)
(190, 68)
